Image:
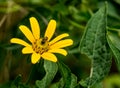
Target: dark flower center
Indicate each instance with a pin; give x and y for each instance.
(41, 45)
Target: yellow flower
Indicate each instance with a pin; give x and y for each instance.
(42, 46)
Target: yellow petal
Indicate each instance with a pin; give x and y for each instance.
(35, 58)
(60, 51)
(27, 50)
(50, 29)
(49, 56)
(58, 38)
(19, 41)
(27, 33)
(62, 43)
(35, 27)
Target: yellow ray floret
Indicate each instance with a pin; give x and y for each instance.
(19, 41)
(35, 58)
(27, 50)
(58, 38)
(62, 43)
(49, 56)
(25, 30)
(35, 27)
(60, 51)
(50, 29)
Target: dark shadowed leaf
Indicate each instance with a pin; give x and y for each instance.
(69, 79)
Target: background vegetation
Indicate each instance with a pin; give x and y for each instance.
(72, 17)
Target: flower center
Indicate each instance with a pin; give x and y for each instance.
(41, 45)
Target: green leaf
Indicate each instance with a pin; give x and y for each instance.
(112, 11)
(94, 45)
(51, 70)
(112, 81)
(98, 85)
(117, 1)
(61, 9)
(17, 83)
(61, 83)
(114, 39)
(73, 81)
(69, 79)
(5, 85)
(114, 44)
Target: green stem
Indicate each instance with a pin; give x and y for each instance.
(31, 74)
(113, 29)
(76, 24)
(40, 15)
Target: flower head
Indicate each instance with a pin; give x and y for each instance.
(42, 46)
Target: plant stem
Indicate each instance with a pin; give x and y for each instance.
(31, 74)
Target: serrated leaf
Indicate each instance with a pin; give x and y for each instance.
(111, 38)
(51, 70)
(69, 79)
(94, 45)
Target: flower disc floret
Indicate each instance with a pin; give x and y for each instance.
(41, 45)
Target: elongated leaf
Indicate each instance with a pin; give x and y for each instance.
(111, 38)
(69, 79)
(51, 70)
(94, 45)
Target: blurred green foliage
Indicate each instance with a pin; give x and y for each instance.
(113, 81)
(16, 71)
